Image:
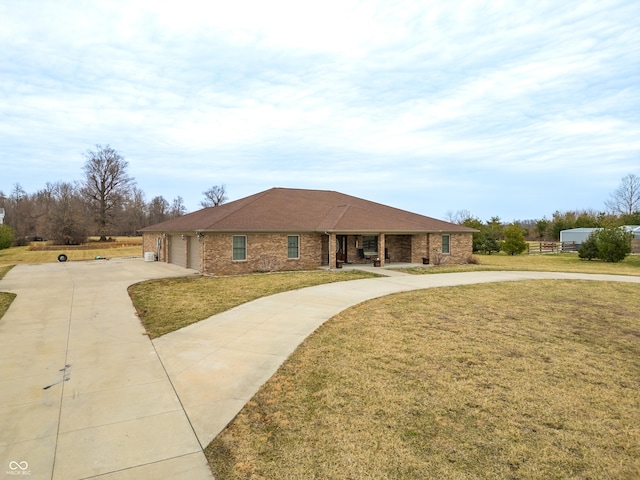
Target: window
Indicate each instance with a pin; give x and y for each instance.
(446, 239)
(370, 243)
(239, 247)
(293, 246)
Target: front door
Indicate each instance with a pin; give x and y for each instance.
(341, 248)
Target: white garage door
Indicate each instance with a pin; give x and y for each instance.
(194, 253)
(178, 250)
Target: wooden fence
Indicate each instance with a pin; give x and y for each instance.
(551, 247)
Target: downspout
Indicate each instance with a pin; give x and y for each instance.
(158, 248)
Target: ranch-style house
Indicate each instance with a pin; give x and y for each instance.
(295, 229)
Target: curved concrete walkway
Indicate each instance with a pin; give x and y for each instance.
(218, 364)
(84, 393)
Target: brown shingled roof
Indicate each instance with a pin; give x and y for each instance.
(296, 210)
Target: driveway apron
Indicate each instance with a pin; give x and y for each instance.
(82, 390)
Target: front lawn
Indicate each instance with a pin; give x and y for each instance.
(559, 262)
(169, 304)
(534, 380)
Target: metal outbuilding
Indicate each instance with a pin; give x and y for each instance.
(579, 235)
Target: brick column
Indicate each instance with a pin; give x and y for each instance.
(165, 248)
(332, 251)
(381, 244)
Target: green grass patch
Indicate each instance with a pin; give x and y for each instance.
(534, 380)
(169, 304)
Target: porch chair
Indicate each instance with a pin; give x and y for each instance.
(362, 256)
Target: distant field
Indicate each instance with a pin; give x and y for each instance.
(44, 252)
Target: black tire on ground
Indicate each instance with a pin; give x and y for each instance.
(62, 257)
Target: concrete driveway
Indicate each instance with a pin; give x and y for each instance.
(218, 364)
(84, 393)
(82, 390)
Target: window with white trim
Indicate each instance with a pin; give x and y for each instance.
(293, 246)
(446, 242)
(239, 247)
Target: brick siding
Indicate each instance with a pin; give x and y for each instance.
(268, 252)
(265, 252)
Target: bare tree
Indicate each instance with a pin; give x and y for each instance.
(158, 209)
(459, 216)
(106, 183)
(177, 207)
(133, 212)
(24, 215)
(215, 196)
(67, 216)
(626, 199)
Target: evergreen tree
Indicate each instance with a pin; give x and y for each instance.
(6, 236)
(588, 249)
(514, 242)
(614, 244)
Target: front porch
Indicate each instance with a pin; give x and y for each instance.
(375, 249)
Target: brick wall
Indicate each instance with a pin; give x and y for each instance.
(399, 247)
(149, 244)
(460, 247)
(268, 252)
(265, 252)
(419, 247)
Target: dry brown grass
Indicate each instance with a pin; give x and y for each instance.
(5, 298)
(564, 262)
(169, 304)
(23, 255)
(527, 380)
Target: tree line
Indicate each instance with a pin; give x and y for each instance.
(622, 208)
(106, 202)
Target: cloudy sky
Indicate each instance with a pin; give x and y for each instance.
(508, 108)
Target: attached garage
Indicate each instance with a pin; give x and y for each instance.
(178, 250)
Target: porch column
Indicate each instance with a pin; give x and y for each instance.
(332, 251)
(381, 254)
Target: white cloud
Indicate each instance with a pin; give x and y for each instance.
(333, 93)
